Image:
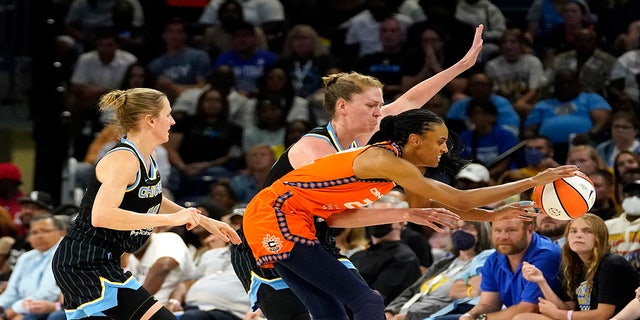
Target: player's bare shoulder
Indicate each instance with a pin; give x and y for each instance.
(308, 149)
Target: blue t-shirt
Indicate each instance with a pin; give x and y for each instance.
(187, 68)
(507, 117)
(512, 287)
(557, 120)
(489, 146)
(247, 71)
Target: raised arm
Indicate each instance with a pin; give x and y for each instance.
(422, 92)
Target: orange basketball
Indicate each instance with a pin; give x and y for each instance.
(566, 198)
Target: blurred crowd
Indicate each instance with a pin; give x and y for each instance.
(557, 82)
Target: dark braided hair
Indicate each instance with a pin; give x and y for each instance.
(397, 128)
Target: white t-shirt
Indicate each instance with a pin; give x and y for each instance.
(164, 244)
(255, 12)
(218, 286)
(90, 70)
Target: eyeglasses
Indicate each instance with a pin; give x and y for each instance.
(39, 232)
(622, 127)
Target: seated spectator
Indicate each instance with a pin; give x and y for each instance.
(481, 90)
(216, 292)
(161, 264)
(221, 194)
(35, 204)
(624, 229)
(630, 40)
(503, 283)
(543, 16)
(586, 158)
(434, 53)
(604, 206)
(388, 266)
(204, 145)
(250, 180)
(625, 79)
(539, 156)
(592, 64)
(84, 17)
(217, 38)
(351, 240)
(95, 73)
(363, 29)
(551, 228)
(179, 67)
(476, 12)
(487, 140)
(430, 293)
(564, 36)
(306, 59)
(10, 181)
(222, 78)
(386, 63)
(276, 85)
(595, 283)
(266, 14)
(516, 74)
(271, 124)
(7, 235)
(246, 59)
(570, 111)
(624, 136)
(623, 162)
(32, 292)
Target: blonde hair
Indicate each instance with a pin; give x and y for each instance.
(572, 267)
(593, 155)
(345, 85)
(306, 31)
(130, 106)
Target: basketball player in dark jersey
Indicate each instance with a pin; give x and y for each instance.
(118, 213)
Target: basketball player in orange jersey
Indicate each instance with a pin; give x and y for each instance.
(278, 222)
(355, 104)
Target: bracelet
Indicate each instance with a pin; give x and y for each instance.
(58, 306)
(469, 291)
(174, 301)
(467, 315)
(569, 314)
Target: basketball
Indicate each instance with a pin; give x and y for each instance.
(566, 198)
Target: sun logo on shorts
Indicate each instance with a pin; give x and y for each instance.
(272, 243)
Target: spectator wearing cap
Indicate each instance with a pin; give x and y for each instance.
(624, 231)
(7, 235)
(34, 204)
(10, 181)
(471, 176)
(487, 140)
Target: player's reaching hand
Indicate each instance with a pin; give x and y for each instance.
(438, 219)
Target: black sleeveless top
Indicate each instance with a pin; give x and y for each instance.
(143, 196)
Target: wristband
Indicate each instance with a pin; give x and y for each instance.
(58, 306)
(569, 314)
(469, 291)
(175, 301)
(466, 315)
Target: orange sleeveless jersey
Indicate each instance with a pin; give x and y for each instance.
(282, 215)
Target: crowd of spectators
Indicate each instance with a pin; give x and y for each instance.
(557, 85)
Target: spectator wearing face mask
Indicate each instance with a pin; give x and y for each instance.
(538, 154)
(625, 229)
